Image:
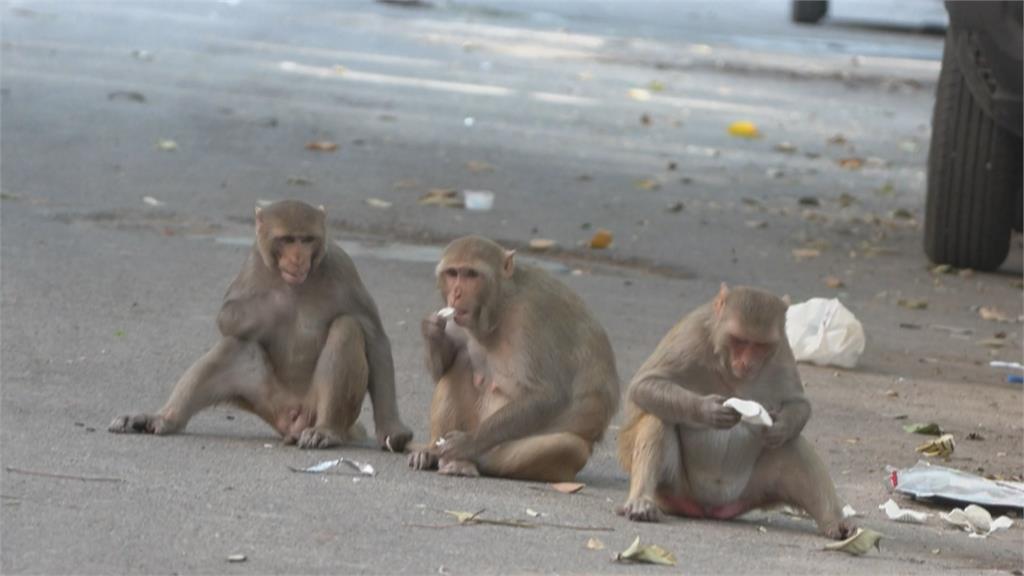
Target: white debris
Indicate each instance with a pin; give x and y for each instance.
(361, 467)
(977, 521)
(152, 201)
(446, 312)
(905, 515)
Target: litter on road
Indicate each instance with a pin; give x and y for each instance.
(926, 481)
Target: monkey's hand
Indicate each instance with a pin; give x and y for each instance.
(778, 433)
(433, 328)
(715, 415)
(457, 445)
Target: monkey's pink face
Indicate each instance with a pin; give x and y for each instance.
(746, 357)
(295, 257)
(461, 287)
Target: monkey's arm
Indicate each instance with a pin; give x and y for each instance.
(667, 400)
(251, 317)
(794, 410)
(441, 351)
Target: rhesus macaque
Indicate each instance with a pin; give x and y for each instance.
(683, 449)
(301, 342)
(525, 376)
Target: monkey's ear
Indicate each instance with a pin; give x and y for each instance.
(786, 300)
(322, 209)
(508, 266)
(723, 291)
(259, 215)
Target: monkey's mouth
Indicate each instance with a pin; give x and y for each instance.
(294, 278)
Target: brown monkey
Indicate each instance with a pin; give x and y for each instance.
(683, 449)
(301, 342)
(525, 376)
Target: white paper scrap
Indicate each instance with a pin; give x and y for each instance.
(976, 520)
(905, 515)
(753, 413)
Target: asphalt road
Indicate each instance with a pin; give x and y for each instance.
(116, 252)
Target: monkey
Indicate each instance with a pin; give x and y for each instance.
(301, 343)
(684, 450)
(525, 377)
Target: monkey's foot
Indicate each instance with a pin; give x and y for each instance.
(457, 468)
(640, 510)
(422, 460)
(141, 424)
(318, 437)
(838, 530)
(393, 436)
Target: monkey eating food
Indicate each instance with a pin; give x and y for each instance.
(301, 343)
(525, 377)
(687, 453)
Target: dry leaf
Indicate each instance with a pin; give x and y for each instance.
(533, 513)
(567, 487)
(837, 140)
(785, 147)
(595, 544)
(913, 303)
(755, 224)
(299, 181)
(640, 95)
(477, 167)
(862, 541)
(926, 428)
(167, 145)
(378, 203)
(407, 184)
(645, 119)
(463, 517)
(542, 244)
(322, 146)
(802, 254)
(647, 184)
(601, 239)
(851, 163)
(744, 129)
(833, 282)
(993, 314)
(675, 207)
(650, 554)
(442, 197)
(944, 269)
(655, 86)
(942, 446)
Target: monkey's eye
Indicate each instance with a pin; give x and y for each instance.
(451, 272)
(471, 273)
(287, 239)
(308, 239)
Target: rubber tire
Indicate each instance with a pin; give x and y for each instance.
(973, 171)
(808, 11)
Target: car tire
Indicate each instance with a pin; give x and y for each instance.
(973, 172)
(809, 11)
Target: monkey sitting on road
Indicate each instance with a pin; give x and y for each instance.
(682, 447)
(525, 376)
(301, 342)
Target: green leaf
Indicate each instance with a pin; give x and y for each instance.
(927, 428)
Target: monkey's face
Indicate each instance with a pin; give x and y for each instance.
(747, 356)
(462, 287)
(294, 257)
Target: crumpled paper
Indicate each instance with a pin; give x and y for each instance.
(824, 332)
(976, 521)
(905, 515)
(753, 413)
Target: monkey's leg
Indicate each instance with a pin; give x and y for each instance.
(795, 475)
(453, 407)
(553, 457)
(233, 370)
(339, 385)
(653, 459)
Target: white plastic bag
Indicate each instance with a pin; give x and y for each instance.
(824, 332)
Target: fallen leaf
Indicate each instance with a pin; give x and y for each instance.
(675, 207)
(463, 517)
(378, 203)
(809, 201)
(119, 333)
(650, 554)
(975, 436)
(321, 146)
(926, 428)
(993, 314)
(477, 167)
(833, 282)
(601, 239)
(902, 214)
(785, 147)
(755, 224)
(845, 199)
(167, 145)
(647, 184)
(671, 166)
(744, 129)
(645, 119)
(567, 487)
(595, 544)
(299, 181)
(131, 96)
(542, 244)
(942, 446)
(802, 254)
(655, 86)
(913, 303)
(892, 394)
(992, 343)
(639, 94)
(533, 513)
(862, 541)
(442, 197)
(837, 140)
(851, 163)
